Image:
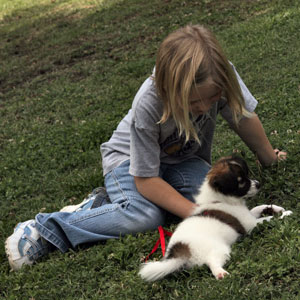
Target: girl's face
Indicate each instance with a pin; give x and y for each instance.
(203, 97)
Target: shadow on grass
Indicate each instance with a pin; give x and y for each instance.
(41, 40)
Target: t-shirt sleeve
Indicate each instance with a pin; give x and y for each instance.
(144, 136)
(144, 152)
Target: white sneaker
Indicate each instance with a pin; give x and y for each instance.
(25, 245)
(78, 207)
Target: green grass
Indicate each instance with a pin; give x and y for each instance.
(69, 72)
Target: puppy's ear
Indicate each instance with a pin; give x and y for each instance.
(236, 169)
(237, 165)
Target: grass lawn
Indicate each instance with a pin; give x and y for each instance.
(69, 70)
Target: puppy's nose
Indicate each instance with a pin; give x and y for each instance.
(257, 184)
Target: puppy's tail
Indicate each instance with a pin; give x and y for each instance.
(156, 270)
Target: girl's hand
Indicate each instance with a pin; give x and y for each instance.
(281, 155)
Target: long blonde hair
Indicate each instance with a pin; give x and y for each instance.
(185, 59)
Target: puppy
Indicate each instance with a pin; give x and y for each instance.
(220, 217)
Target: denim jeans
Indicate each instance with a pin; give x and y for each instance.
(128, 213)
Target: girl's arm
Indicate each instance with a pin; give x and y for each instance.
(253, 134)
(158, 191)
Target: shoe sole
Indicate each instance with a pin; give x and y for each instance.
(73, 208)
(11, 248)
(94, 193)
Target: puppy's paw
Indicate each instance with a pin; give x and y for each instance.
(222, 275)
(266, 210)
(277, 209)
(272, 210)
(286, 213)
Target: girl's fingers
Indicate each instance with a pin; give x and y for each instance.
(280, 154)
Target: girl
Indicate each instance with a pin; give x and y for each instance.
(160, 152)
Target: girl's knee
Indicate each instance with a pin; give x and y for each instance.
(147, 219)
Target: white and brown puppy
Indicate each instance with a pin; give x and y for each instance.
(220, 218)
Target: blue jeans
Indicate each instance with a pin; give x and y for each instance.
(128, 213)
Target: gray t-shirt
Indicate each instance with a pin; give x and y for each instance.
(140, 138)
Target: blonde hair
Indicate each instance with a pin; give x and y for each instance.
(186, 59)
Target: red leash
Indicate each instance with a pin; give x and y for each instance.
(161, 241)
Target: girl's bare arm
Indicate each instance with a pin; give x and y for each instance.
(158, 191)
(253, 134)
